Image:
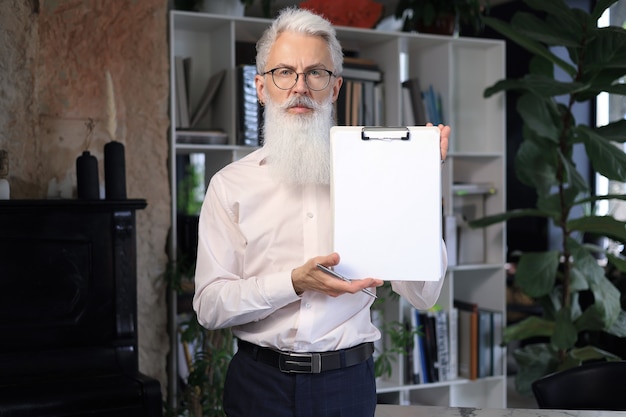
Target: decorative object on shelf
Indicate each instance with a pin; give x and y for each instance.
(114, 159)
(581, 306)
(114, 171)
(87, 183)
(87, 178)
(441, 17)
(357, 13)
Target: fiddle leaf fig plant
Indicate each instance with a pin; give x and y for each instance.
(573, 290)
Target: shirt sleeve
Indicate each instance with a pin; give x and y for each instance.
(423, 294)
(223, 296)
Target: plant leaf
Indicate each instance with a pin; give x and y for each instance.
(528, 44)
(534, 361)
(565, 333)
(530, 25)
(531, 168)
(614, 131)
(539, 115)
(605, 157)
(600, 7)
(501, 217)
(618, 328)
(600, 225)
(536, 272)
(532, 326)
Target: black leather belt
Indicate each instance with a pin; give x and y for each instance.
(308, 363)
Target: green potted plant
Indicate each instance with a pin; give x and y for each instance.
(577, 298)
(440, 16)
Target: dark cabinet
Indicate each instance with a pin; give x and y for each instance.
(68, 310)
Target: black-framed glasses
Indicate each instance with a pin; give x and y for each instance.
(286, 78)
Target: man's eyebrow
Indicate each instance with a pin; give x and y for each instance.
(319, 65)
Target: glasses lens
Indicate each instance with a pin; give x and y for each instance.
(285, 78)
(317, 79)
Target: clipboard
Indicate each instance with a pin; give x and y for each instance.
(386, 202)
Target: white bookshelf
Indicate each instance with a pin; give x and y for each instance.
(459, 69)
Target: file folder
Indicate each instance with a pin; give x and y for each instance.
(386, 202)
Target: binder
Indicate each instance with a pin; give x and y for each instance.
(386, 202)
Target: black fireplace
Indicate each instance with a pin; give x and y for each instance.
(68, 310)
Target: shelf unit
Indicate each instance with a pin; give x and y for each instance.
(459, 69)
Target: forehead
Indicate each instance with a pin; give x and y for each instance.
(297, 49)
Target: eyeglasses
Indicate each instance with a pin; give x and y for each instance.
(286, 78)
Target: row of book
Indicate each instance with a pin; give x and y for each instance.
(464, 342)
(421, 106)
(191, 120)
(361, 98)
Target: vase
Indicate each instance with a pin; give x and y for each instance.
(114, 171)
(87, 183)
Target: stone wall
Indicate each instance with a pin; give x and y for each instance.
(55, 54)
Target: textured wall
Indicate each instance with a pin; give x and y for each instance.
(54, 56)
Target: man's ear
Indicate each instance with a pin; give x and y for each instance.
(259, 82)
(337, 87)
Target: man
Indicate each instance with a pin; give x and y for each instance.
(266, 223)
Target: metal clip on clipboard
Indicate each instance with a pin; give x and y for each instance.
(384, 133)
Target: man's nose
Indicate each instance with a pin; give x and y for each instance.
(301, 86)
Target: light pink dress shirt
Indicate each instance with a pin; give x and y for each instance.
(253, 232)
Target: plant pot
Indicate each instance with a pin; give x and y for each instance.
(443, 25)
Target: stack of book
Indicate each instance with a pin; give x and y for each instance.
(360, 101)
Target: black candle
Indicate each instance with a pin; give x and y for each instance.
(114, 171)
(87, 184)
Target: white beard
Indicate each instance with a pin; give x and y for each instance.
(298, 145)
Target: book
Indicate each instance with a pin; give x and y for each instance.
(417, 101)
(453, 329)
(467, 340)
(430, 343)
(362, 74)
(210, 91)
(485, 358)
(202, 137)
(182, 98)
(421, 347)
(499, 351)
(408, 115)
(443, 344)
(416, 354)
(249, 110)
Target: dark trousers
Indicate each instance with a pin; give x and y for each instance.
(255, 389)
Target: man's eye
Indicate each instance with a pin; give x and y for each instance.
(316, 73)
(285, 72)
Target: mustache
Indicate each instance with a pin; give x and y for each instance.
(299, 101)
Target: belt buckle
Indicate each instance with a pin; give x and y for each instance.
(293, 363)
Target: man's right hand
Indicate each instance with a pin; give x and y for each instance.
(309, 277)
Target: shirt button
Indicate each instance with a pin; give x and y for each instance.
(307, 306)
(309, 215)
